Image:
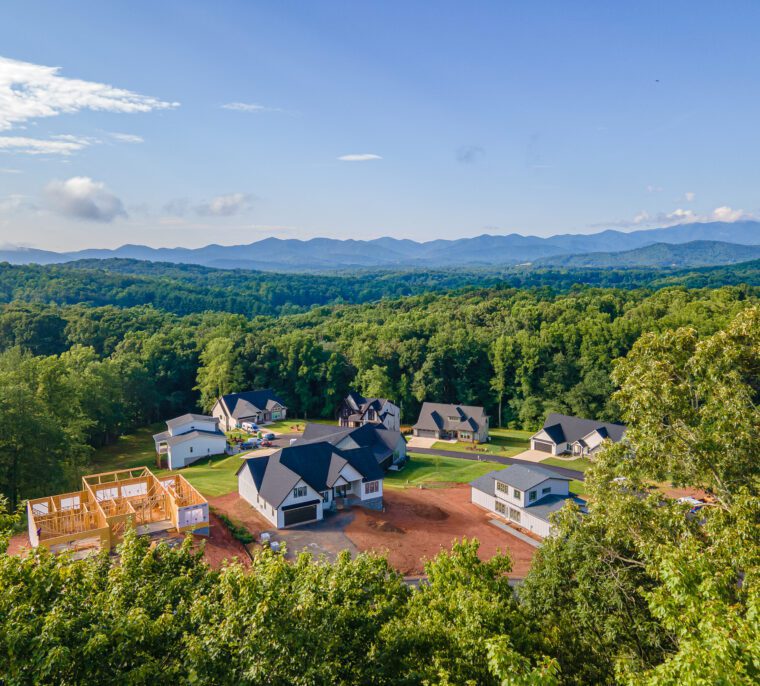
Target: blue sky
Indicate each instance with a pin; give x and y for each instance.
(459, 118)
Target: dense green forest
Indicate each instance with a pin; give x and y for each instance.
(186, 289)
(73, 377)
(637, 592)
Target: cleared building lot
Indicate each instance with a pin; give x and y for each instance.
(415, 525)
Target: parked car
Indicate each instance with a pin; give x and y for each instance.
(270, 437)
(266, 444)
(250, 444)
(250, 427)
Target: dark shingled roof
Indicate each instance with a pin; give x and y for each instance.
(437, 417)
(562, 427)
(249, 403)
(380, 440)
(318, 463)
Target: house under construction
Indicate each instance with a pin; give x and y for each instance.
(97, 516)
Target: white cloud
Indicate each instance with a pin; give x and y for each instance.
(8, 170)
(654, 189)
(689, 196)
(38, 146)
(31, 91)
(727, 214)
(12, 204)
(248, 107)
(678, 216)
(359, 157)
(82, 198)
(127, 138)
(225, 205)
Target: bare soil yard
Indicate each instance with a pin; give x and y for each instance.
(419, 523)
(415, 526)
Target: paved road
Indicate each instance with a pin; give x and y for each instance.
(487, 457)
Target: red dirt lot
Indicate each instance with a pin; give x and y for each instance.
(419, 523)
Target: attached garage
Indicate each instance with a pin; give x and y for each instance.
(426, 433)
(542, 446)
(298, 514)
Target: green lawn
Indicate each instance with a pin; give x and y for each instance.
(578, 487)
(287, 426)
(430, 469)
(580, 464)
(134, 450)
(213, 476)
(504, 442)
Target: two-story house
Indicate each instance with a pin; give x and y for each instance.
(525, 495)
(189, 438)
(387, 445)
(580, 437)
(356, 410)
(255, 407)
(460, 422)
(297, 484)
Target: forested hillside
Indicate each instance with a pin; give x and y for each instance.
(637, 592)
(186, 289)
(73, 377)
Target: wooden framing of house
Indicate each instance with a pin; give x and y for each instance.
(98, 515)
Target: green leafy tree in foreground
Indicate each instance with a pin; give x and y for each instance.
(639, 591)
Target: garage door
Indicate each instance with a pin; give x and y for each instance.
(300, 514)
(542, 446)
(425, 433)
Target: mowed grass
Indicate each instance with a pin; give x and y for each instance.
(504, 442)
(431, 469)
(292, 426)
(580, 464)
(133, 450)
(211, 476)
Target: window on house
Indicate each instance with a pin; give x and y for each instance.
(371, 487)
(532, 495)
(299, 491)
(546, 489)
(503, 488)
(514, 515)
(501, 508)
(325, 495)
(516, 493)
(191, 448)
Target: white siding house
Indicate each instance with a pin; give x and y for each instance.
(189, 438)
(525, 496)
(298, 484)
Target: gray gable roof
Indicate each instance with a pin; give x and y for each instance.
(189, 435)
(552, 503)
(380, 440)
(444, 417)
(524, 477)
(562, 427)
(250, 403)
(190, 417)
(317, 463)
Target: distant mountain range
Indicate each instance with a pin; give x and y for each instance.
(694, 244)
(692, 254)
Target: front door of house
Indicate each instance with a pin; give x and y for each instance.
(341, 491)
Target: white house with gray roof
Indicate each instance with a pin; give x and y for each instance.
(298, 484)
(189, 438)
(524, 495)
(562, 434)
(256, 407)
(460, 422)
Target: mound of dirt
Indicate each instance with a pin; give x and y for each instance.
(385, 527)
(432, 512)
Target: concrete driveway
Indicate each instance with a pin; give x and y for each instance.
(318, 538)
(421, 442)
(532, 456)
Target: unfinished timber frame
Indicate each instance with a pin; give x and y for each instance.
(97, 516)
